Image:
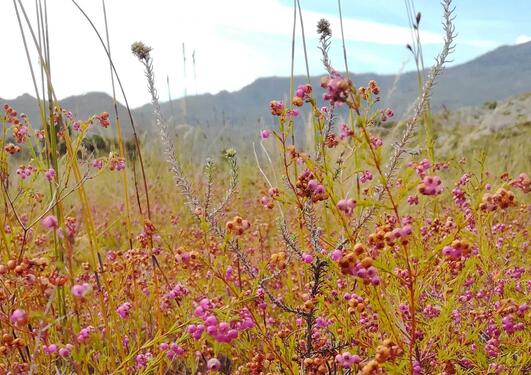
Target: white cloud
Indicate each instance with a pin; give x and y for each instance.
(234, 42)
(522, 39)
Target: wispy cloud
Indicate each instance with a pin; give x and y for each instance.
(236, 41)
(522, 39)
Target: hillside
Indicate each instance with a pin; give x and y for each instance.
(486, 78)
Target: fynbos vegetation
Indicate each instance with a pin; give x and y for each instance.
(357, 248)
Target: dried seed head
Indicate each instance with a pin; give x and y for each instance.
(229, 153)
(140, 50)
(323, 28)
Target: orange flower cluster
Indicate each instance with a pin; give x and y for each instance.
(385, 352)
(501, 199)
(278, 260)
(237, 225)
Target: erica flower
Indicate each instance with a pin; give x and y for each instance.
(123, 310)
(266, 202)
(292, 113)
(431, 185)
(11, 149)
(347, 206)
(117, 164)
(84, 334)
(347, 360)
(103, 119)
(66, 351)
(345, 132)
(50, 222)
(376, 142)
(307, 258)
(98, 163)
(80, 290)
(50, 349)
(337, 88)
(264, 134)
(19, 317)
(413, 200)
(336, 255)
(20, 132)
(24, 171)
(303, 94)
(277, 108)
(213, 364)
(50, 174)
(366, 176)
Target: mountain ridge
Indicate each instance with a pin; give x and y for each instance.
(495, 75)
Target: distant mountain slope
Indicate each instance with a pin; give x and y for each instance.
(496, 75)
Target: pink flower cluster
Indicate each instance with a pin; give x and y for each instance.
(307, 258)
(431, 185)
(316, 187)
(50, 174)
(347, 360)
(142, 360)
(421, 167)
(103, 119)
(510, 326)
(20, 131)
(337, 88)
(452, 252)
(50, 349)
(346, 206)
(176, 294)
(64, 352)
(431, 311)
(302, 94)
(98, 163)
(124, 309)
(265, 133)
(173, 350)
(19, 317)
(213, 364)
(345, 132)
(376, 142)
(523, 182)
(365, 176)
(336, 255)
(386, 114)
(117, 164)
(84, 334)
(221, 331)
(266, 202)
(80, 290)
(369, 274)
(50, 222)
(353, 296)
(277, 108)
(413, 200)
(401, 234)
(24, 171)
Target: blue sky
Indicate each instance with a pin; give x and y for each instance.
(482, 25)
(238, 41)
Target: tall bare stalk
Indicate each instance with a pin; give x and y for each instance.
(131, 121)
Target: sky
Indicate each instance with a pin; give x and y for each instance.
(237, 41)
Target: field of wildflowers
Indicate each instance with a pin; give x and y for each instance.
(342, 255)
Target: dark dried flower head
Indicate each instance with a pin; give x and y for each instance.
(323, 28)
(140, 50)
